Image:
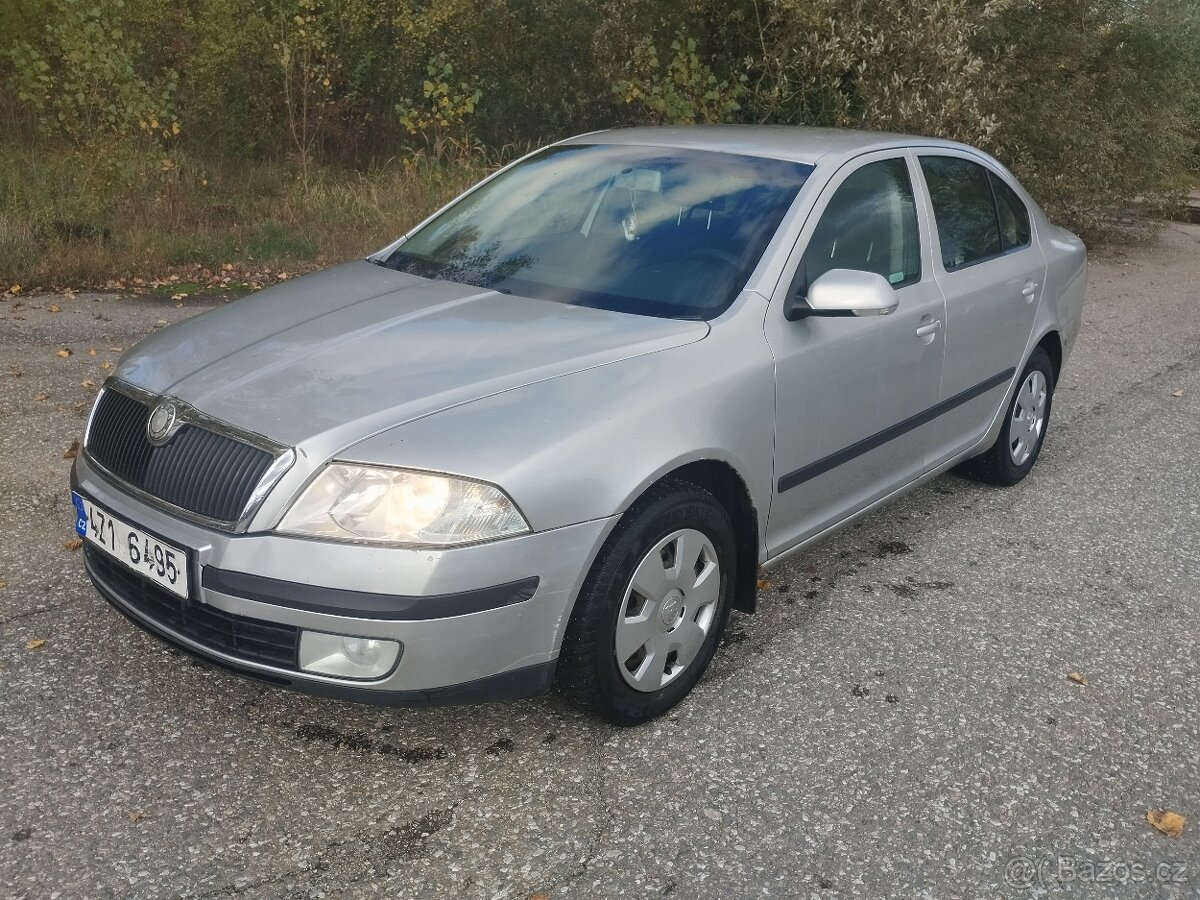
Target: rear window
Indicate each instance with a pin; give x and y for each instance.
(1014, 217)
(968, 228)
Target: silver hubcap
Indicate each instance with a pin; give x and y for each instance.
(1028, 419)
(668, 609)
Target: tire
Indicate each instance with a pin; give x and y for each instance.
(1017, 447)
(679, 608)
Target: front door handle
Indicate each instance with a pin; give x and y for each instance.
(1030, 291)
(928, 329)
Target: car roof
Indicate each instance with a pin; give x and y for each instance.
(795, 143)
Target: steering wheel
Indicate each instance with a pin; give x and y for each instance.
(718, 256)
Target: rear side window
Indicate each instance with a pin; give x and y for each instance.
(1014, 217)
(870, 225)
(968, 228)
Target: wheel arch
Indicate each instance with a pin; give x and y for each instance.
(724, 482)
(1052, 343)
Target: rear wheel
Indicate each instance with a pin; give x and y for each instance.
(647, 622)
(1020, 440)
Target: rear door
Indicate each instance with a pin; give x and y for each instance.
(991, 272)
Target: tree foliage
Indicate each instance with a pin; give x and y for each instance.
(1091, 102)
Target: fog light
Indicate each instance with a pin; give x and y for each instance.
(344, 656)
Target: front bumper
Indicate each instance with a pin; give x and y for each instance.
(476, 623)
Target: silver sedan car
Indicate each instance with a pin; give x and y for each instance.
(551, 435)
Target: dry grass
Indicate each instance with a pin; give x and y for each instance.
(67, 221)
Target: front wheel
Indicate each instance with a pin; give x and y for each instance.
(647, 622)
(1020, 440)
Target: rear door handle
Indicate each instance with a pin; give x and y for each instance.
(926, 330)
(1030, 291)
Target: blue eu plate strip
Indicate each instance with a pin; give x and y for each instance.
(80, 515)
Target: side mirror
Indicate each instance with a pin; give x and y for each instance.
(844, 292)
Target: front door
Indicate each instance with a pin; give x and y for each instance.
(851, 393)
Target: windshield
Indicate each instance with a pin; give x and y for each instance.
(653, 231)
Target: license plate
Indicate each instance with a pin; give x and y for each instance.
(164, 564)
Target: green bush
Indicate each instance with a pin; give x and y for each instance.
(79, 76)
(687, 93)
(1096, 101)
(1093, 103)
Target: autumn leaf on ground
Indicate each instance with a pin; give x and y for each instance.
(1169, 823)
(14, 289)
(63, 353)
(54, 307)
(114, 349)
(764, 585)
(73, 543)
(3, 585)
(38, 644)
(40, 396)
(539, 896)
(1077, 678)
(1178, 393)
(92, 351)
(136, 815)
(87, 383)
(15, 370)
(106, 365)
(72, 451)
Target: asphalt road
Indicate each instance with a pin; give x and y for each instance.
(897, 721)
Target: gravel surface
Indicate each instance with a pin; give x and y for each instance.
(897, 721)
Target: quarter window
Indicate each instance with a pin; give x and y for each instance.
(968, 228)
(870, 225)
(1014, 217)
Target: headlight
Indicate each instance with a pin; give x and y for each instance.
(373, 503)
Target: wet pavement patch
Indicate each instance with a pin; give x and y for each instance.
(364, 744)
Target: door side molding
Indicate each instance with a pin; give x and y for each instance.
(867, 444)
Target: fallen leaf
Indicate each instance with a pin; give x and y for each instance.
(161, 322)
(87, 383)
(41, 396)
(3, 585)
(1169, 823)
(114, 349)
(136, 815)
(54, 307)
(15, 370)
(14, 289)
(92, 351)
(1077, 678)
(63, 353)
(539, 896)
(178, 296)
(73, 544)
(38, 644)
(1178, 393)
(764, 585)
(72, 451)
(106, 365)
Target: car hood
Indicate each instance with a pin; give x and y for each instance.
(334, 357)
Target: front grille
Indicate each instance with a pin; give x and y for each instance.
(250, 640)
(204, 472)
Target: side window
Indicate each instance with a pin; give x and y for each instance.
(1014, 217)
(964, 209)
(869, 225)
